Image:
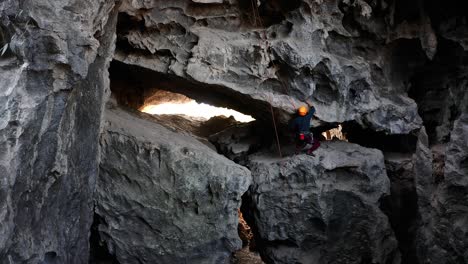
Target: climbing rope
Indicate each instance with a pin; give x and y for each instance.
(283, 85)
(256, 14)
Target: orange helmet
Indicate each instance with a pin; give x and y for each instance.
(302, 111)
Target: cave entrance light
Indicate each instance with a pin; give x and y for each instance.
(194, 109)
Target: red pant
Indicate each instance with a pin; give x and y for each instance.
(308, 139)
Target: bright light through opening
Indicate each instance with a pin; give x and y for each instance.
(195, 109)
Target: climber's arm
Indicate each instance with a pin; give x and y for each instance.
(311, 108)
(311, 112)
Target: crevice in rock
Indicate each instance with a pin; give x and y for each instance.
(5, 39)
(402, 143)
(401, 206)
(254, 238)
(248, 254)
(99, 253)
(438, 88)
(125, 25)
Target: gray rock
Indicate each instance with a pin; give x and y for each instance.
(237, 142)
(322, 209)
(357, 61)
(165, 197)
(333, 53)
(53, 83)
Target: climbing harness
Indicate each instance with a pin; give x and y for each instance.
(301, 136)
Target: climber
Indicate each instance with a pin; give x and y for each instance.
(301, 127)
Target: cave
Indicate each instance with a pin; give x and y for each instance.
(181, 104)
(96, 169)
(133, 86)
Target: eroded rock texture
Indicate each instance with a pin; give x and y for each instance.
(322, 209)
(332, 51)
(164, 197)
(53, 80)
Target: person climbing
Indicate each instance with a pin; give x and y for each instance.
(301, 127)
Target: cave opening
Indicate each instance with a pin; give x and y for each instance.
(135, 87)
(369, 138)
(99, 253)
(167, 104)
(187, 106)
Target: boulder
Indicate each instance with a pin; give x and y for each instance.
(322, 209)
(164, 197)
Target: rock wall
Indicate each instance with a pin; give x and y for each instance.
(53, 80)
(442, 195)
(164, 197)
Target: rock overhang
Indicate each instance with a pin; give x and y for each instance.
(281, 71)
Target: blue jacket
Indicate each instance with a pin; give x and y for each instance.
(302, 123)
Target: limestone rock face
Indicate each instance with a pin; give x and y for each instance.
(322, 209)
(53, 81)
(331, 52)
(164, 197)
